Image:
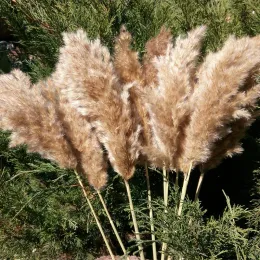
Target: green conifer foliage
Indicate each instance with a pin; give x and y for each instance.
(42, 213)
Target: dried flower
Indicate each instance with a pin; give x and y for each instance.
(33, 120)
(155, 47)
(80, 136)
(93, 89)
(168, 104)
(217, 100)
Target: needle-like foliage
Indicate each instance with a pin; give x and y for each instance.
(164, 108)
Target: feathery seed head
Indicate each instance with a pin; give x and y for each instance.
(219, 101)
(33, 120)
(94, 91)
(168, 104)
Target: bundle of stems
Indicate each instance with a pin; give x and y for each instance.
(47, 123)
(165, 110)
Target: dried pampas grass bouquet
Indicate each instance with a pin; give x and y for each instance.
(165, 109)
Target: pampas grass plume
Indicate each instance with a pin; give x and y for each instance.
(32, 120)
(155, 47)
(168, 104)
(81, 137)
(93, 89)
(216, 98)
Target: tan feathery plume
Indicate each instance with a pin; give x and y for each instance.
(242, 120)
(129, 71)
(168, 104)
(245, 100)
(229, 145)
(32, 114)
(220, 78)
(32, 120)
(155, 47)
(126, 61)
(86, 147)
(81, 137)
(93, 90)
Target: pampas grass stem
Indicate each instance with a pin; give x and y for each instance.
(202, 174)
(177, 180)
(184, 189)
(149, 197)
(137, 234)
(95, 216)
(165, 198)
(112, 224)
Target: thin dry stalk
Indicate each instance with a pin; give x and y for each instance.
(184, 189)
(149, 199)
(95, 216)
(202, 174)
(137, 234)
(165, 198)
(177, 179)
(112, 224)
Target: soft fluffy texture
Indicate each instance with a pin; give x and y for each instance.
(217, 100)
(168, 104)
(81, 137)
(155, 47)
(165, 107)
(33, 120)
(39, 116)
(94, 90)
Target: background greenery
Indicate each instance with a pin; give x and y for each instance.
(42, 212)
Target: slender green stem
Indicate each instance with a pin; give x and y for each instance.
(202, 174)
(112, 224)
(184, 189)
(149, 197)
(165, 198)
(137, 234)
(95, 216)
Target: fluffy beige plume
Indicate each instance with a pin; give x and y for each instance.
(217, 100)
(242, 119)
(93, 89)
(129, 71)
(32, 120)
(168, 104)
(80, 136)
(126, 61)
(155, 47)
